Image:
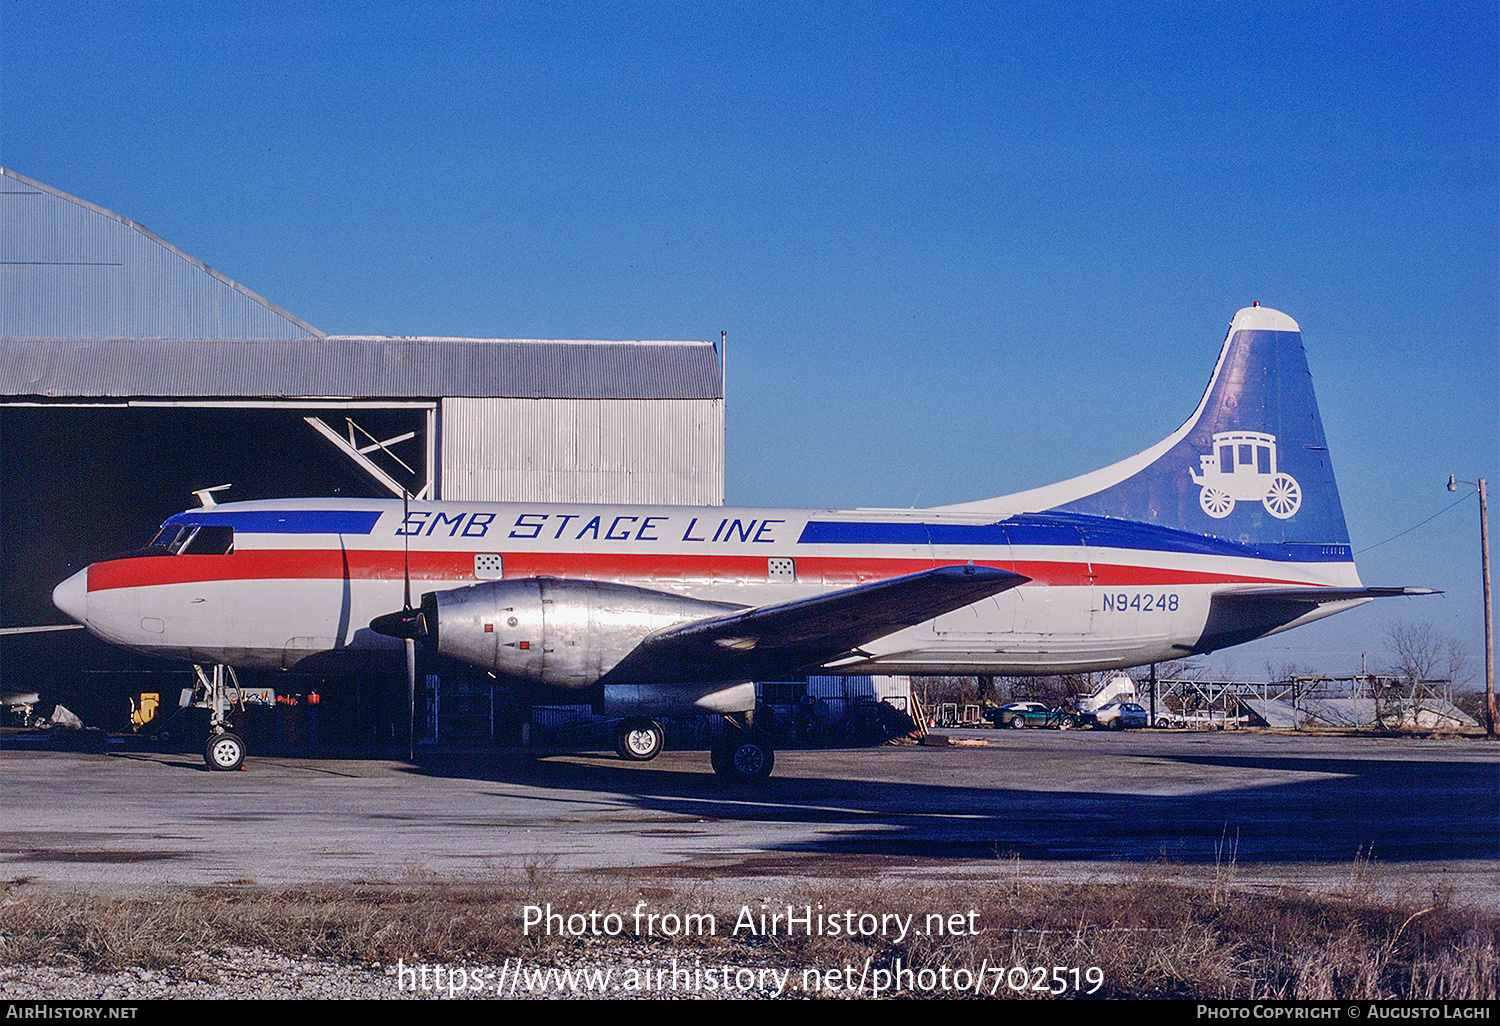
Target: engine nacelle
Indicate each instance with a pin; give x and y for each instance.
(542, 630)
(620, 700)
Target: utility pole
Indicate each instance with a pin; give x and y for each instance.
(1153, 694)
(1489, 609)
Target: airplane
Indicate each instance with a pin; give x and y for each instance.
(1228, 530)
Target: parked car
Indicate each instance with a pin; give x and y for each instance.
(1020, 714)
(1119, 715)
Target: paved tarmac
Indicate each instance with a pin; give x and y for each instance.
(1317, 812)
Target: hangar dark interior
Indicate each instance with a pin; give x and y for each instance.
(80, 483)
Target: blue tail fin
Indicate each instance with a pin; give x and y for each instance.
(1251, 465)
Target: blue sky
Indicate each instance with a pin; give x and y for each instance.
(960, 249)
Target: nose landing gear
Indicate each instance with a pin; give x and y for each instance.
(225, 751)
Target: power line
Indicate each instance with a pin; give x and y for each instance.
(1413, 527)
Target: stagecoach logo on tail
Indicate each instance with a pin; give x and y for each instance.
(1242, 468)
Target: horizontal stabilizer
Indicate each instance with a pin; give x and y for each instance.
(42, 630)
(1245, 614)
(808, 632)
(1318, 596)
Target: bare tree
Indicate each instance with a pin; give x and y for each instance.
(1284, 672)
(959, 690)
(1418, 650)
(1420, 653)
(1458, 662)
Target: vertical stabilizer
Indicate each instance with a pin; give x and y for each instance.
(1251, 465)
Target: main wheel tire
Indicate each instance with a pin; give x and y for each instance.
(746, 757)
(639, 739)
(224, 752)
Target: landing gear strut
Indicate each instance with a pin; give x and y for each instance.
(224, 751)
(741, 754)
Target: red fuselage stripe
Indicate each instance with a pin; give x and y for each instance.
(387, 565)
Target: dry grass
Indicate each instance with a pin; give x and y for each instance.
(1150, 938)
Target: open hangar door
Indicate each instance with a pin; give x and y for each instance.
(81, 482)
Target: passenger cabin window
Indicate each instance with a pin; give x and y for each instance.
(209, 541)
(1262, 459)
(1226, 460)
(1247, 454)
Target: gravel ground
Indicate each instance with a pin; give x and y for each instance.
(635, 971)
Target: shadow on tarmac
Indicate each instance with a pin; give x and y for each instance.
(1395, 810)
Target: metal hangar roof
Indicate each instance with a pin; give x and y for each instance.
(351, 366)
(93, 305)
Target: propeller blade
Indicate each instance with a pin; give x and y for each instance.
(405, 550)
(411, 699)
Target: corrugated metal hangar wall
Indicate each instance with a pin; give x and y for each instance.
(583, 450)
(132, 373)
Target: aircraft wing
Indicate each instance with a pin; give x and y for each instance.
(1315, 595)
(774, 639)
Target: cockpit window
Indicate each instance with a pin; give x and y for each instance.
(209, 541)
(191, 539)
(169, 539)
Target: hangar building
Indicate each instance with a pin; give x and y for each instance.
(132, 375)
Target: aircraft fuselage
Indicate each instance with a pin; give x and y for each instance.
(303, 579)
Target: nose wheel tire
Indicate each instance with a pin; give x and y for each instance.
(639, 739)
(224, 752)
(744, 757)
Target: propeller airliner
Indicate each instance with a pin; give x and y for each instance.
(1228, 530)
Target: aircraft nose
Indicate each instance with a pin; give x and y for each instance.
(72, 596)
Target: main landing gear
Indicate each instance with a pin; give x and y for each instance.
(224, 751)
(740, 754)
(639, 739)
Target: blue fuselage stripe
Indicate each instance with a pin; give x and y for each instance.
(1065, 530)
(300, 521)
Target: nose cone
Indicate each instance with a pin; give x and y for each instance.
(72, 596)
